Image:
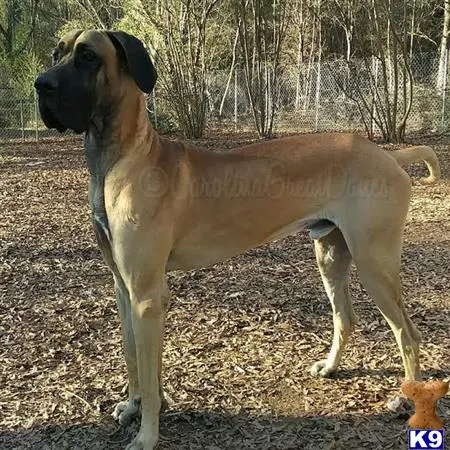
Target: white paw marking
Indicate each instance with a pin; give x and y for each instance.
(126, 411)
(321, 369)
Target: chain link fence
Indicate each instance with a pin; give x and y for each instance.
(20, 119)
(317, 98)
(314, 98)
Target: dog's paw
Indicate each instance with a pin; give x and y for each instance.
(166, 401)
(321, 369)
(398, 404)
(125, 412)
(143, 441)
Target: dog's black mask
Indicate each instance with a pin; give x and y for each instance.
(68, 91)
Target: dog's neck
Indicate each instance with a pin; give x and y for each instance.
(116, 129)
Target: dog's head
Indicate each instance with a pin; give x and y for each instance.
(90, 69)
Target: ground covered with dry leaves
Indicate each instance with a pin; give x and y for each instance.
(240, 335)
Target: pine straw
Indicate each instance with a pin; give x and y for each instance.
(240, 335)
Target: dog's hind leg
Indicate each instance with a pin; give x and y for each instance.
(379, 274)
(375, 242)
(334, 259)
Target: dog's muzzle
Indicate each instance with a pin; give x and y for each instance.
(47, 88)
(46, 84)
(65, 102)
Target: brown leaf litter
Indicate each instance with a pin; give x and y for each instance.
(240, 335)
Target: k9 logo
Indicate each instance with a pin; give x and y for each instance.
(425, 439)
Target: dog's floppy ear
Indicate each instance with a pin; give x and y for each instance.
(137, 59)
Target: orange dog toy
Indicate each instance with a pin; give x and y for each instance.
(425, 395)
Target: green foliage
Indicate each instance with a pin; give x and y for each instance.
(22, 71)
(192, 39)
(17, 93)
(26, 67)
(75, 24)
(137, 23)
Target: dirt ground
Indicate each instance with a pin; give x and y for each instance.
(241, 335)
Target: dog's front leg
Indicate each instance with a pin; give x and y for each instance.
(125, 411)
(147, 313)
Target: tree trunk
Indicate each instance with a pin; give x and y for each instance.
(230, 75)
(444, 43)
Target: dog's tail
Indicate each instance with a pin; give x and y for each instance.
(423, 153)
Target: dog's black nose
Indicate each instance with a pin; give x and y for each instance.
(46, 83)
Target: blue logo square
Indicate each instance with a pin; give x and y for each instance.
(425, 439)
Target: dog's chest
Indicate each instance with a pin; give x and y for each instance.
(99, 215)
(96, 160)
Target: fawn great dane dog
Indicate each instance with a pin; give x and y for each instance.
(159, 205)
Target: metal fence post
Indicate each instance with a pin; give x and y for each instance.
(444, 90)
(22, 126)
(235, 97)
(318, 82)
(36, 116)
(372, 111)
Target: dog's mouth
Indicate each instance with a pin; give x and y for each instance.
(60, 119)
(49, 117)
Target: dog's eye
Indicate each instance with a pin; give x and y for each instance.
(55, 57)
(88, 55)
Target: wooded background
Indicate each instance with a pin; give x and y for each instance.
(380, 64)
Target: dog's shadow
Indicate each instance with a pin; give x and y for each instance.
(214, 430)
(346, 374)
